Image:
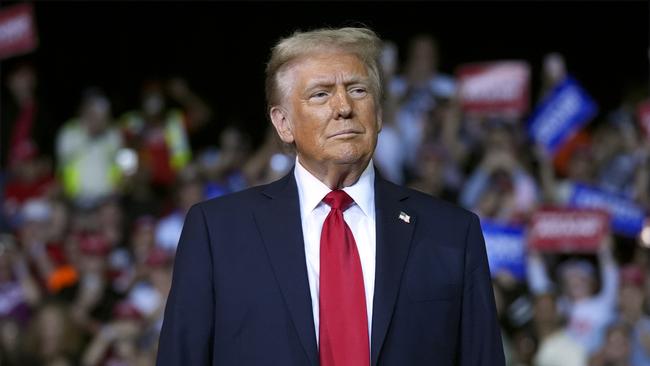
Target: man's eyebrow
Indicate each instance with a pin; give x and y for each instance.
(328, 81)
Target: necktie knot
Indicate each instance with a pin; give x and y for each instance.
(338, 199)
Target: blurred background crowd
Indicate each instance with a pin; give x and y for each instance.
(93, 206)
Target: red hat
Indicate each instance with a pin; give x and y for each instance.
(24, 151)
(632, 275)
(94, 244)
(144, 222)
(125, 310)
(158, 257)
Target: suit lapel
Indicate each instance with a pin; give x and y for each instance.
(395, 226)
(278, 219)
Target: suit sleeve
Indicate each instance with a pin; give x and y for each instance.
(187, 331)
(480, 334)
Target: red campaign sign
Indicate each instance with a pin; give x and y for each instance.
(643, 115)
(568, 230)
(17, 30)
(494, 89)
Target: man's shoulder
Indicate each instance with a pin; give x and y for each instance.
(244, 200)
(431, 206)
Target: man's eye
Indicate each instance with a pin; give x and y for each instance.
(358, 91)
(319, 95)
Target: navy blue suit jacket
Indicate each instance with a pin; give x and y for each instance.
(240, 293)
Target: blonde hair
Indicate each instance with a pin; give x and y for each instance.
(361, 42)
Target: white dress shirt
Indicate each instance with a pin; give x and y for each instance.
(360, 217)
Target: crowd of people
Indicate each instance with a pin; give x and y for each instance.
(92, 213)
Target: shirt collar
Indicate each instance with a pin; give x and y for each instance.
(312, 191)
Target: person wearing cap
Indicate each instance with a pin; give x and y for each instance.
(331, 264)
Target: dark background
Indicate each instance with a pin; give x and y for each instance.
(221, 48)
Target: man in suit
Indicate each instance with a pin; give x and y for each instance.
(331, 265)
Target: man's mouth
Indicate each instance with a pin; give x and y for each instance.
(345, 133)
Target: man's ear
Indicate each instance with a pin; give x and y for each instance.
(380, 119)
(280, 119)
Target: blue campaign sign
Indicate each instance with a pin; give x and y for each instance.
(558, 117)
(505, 246)
(627, 217)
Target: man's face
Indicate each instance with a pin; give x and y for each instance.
(328, 110)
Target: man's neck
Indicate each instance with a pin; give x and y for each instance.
(336, 176)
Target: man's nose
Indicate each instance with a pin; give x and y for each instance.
(342, 104)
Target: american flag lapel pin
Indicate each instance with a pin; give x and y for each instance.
(404, 217)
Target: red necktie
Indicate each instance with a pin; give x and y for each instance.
(343, 333)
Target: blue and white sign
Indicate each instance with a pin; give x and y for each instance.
(627, 217)
(505, 246)
(558, 117)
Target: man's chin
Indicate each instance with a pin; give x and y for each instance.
(349, 158)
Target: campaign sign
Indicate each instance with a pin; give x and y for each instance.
(643, 116)
(505, 248)
(626, 217)
(558, 117)
(17, 30)
(568, 230)
(498, 88)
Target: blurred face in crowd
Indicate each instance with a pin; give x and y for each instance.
(84, 220)
(95, 113)
(190, 193)
(607, 142)
(499, 139)
(498, 199)
(153, 100)
(59, 221)
(422, 59)
(33, 232)
(142, 240)
(431, 165)
(109, 216)
(580, 167)
(631, 300)
(577, 283)
(554, 69)
(22, 83)
(110, 213)
(234, 145)
(617, 346)
(524, 346)
(328, 111)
